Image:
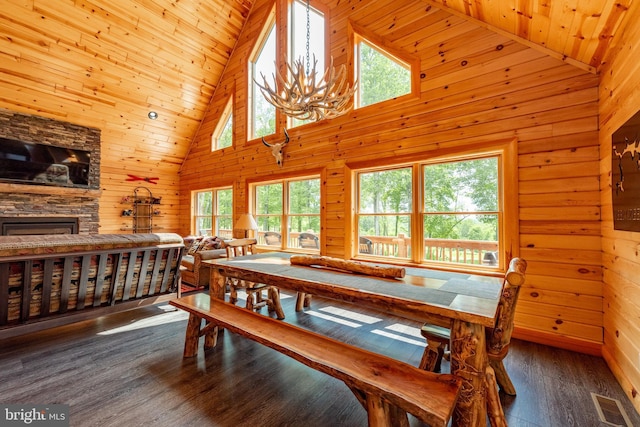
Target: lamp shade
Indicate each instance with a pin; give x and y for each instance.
(247, 222)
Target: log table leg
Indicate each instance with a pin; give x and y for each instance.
(216, 284)
(469, 361)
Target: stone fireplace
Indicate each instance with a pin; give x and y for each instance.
(38, 203)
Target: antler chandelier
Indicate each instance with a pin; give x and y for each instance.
(303, 97)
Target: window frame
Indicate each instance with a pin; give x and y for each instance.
(225, 117)
(286, 215)
(508, 237)
(215, 216)
(253, 91)
(359, 34)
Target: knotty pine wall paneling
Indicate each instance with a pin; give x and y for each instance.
(475, 86)
(620, 100)
(106, 64)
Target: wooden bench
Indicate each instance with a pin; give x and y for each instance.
(387, 388)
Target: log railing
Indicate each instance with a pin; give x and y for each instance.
(60, 275)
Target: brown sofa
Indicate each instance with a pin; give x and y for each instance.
(192, 271)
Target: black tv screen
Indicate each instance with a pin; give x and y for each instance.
(42, 164)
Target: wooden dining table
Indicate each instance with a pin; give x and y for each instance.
(465, 303)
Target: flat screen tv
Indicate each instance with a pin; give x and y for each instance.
(42, 164)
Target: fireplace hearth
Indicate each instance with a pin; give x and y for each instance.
(19, 226)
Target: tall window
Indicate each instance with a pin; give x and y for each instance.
(461, 214)
(446, 211)
(222, 136)
(381, 76)
(213, 211)
(291, 202)
(298, 40)
(263, 114)
(385, 209)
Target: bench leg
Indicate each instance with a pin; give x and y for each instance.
(381, 414)
(192, 336)
(210, 336)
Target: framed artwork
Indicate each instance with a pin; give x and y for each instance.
(625, 175)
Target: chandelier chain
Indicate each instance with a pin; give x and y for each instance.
(308, 38)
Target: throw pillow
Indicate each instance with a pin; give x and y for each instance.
(194, 246)
(210, 243)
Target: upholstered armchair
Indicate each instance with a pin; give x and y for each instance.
(193, 272)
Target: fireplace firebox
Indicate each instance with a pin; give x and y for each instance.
(18, 226)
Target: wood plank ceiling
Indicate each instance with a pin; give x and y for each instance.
(107, 63)
(577, 30)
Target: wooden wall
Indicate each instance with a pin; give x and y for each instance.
(106, 64)
(619, 101)
(476, 86)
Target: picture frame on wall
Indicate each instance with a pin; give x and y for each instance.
(625, 175)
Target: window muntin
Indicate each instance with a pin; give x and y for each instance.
(294, 202)
(213, 212)
(222, 137)
(381, 76)
(458, 220)
(263, 114)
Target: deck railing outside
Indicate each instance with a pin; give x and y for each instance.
(477, 252)
(294, 239)
(447, 250)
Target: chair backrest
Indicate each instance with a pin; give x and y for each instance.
(273, 238)
(239, 247)
(365, 246)
(499, 336)
(308, 240)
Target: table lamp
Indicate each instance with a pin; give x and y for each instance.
(246, 223)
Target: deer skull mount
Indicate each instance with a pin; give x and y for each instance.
(277, 149)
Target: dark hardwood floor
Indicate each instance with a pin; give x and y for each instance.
(127, 369)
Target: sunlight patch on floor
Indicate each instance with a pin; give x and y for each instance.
(351, 315)
(398, 337)
(159, 319)
(333, 319)
(405, 329)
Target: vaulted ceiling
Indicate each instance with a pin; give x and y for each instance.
(577, 30)
(107, 63)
